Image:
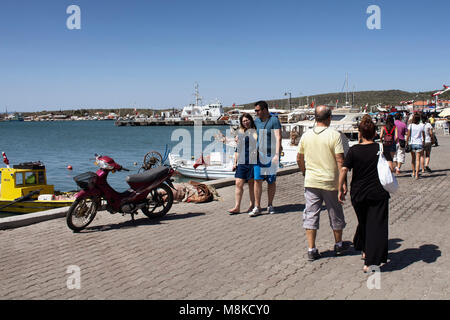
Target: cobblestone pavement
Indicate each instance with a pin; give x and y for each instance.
(198, 251)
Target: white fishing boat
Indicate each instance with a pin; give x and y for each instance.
(219, 165)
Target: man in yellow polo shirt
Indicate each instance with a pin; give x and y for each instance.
(320, 158)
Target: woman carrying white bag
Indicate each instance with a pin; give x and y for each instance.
(369, 198)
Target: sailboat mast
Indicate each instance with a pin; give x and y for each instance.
(346, 90)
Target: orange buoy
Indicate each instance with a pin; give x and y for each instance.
(69, 167)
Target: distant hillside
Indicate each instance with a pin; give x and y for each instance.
(361, 98)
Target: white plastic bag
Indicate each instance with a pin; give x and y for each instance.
(387, 178)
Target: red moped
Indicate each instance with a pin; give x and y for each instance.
(149, 192)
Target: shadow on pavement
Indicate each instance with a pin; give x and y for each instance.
(399, 260)
(289, 208)
(349, 252)
(143, 221)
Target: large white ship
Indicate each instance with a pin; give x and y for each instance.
(197, 111)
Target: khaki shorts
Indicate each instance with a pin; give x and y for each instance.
(311, 216)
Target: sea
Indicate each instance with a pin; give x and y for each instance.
(59, 144)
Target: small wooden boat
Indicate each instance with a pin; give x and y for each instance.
(24, 189)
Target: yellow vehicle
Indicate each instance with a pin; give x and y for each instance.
(24, 189)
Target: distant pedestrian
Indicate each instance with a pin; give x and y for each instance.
(389, 136)
(369, 199)
(416, 138)
(399, 157)
(429, 140)
(433, 124)
(320, 157)
(410, 119)
(269, 151)
(244, 160)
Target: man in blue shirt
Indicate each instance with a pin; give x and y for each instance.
(269, 150)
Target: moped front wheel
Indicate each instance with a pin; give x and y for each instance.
(81, 213)
(159, 202)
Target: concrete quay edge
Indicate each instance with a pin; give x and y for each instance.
(41, 216)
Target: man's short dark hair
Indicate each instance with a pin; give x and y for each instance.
(262, 104)
(323, 115)
(398, 116)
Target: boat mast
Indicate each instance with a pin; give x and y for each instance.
(197, 95)
(346, 90)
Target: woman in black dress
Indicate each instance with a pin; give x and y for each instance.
(369, 199)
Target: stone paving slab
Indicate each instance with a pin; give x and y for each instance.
(198, 251)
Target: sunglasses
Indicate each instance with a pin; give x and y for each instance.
(257, 110)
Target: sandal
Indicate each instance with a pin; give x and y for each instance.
(232, 212)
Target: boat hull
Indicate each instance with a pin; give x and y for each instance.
(205, 173)
(33, 206)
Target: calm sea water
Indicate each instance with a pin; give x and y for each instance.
(62, 143)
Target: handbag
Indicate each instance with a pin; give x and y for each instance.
(387, 178)
(408, 146)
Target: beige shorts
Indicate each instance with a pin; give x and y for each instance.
(399, 155)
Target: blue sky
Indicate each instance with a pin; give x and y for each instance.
(150, 53)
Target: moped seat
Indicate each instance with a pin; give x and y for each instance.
(148, 176)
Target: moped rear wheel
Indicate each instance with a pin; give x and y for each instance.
(159, 202)
(81, 213)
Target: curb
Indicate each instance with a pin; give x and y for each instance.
(36, 217)
(32, 218)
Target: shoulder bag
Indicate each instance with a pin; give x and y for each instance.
(408, 146)
(387, 178)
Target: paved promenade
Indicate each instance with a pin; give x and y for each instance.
(198, 251)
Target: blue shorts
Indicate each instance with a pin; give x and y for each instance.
(416, 147)
(265, 172)
(244, 171)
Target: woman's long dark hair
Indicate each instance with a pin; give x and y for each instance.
(249, 117)
(389, 123)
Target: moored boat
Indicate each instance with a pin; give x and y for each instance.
(219, 165)
(24, 189)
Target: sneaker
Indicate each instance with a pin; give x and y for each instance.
(339, 250)
(271, 210)
(313, 255)
(255, 212)
(428, 169)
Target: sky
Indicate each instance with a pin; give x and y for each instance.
(149, 54)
